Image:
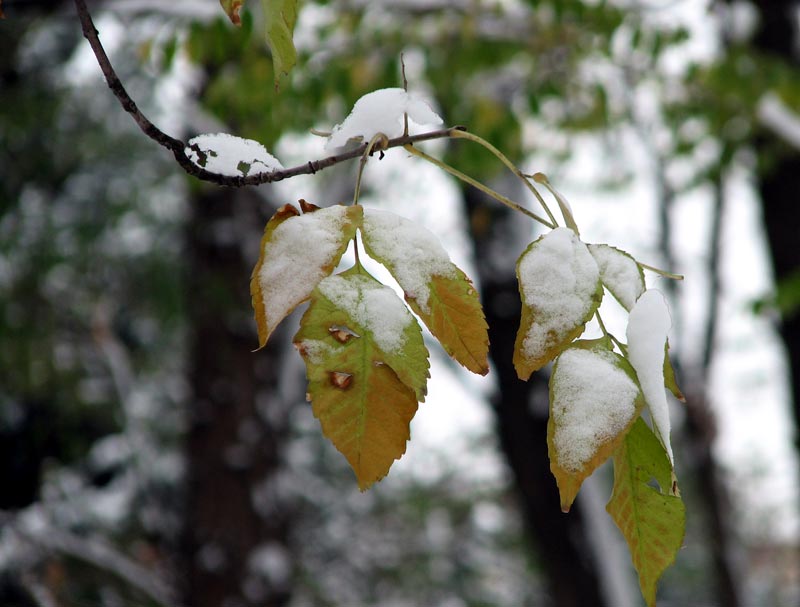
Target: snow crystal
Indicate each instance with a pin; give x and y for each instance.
(412, 252)
(593, 401)
(619, 273)
(648, 325)
(294, 259)
(232, 156)
(372, 305)
(558, 278)
(382, 111)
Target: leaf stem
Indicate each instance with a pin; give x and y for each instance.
(663, 273)
(511, 166)
(476, 184)
(601, 323)
(379, 138)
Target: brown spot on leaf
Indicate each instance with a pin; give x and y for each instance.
(341, 380)
(308, 397)
(286, 211)
(342, 334)
(307, 207)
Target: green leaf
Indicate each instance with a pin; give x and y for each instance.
(280, 17)
(594, 400)
(619, 273)
(367, 367)
(435, 288)
(297, 251)
(560, 286)
(232, 8)
(653, 521)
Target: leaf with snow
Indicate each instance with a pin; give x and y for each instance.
(560, 286)
(653, 521)
(280, 17)
(226, 154)
(619, 273)
(297, 252)
(435, 288)
(648, 325)
(382, 111)
(594, 400)
(232, 9)
(367, 367)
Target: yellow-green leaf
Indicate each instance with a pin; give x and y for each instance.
(560, 286)
(594, 400)
(280, 17)
(653, 521)
(435, 288)
(367, 367)
(669, 376)
(297, 251)
(232, 9)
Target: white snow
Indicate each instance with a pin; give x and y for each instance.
(315, 350)
(413, 254)
(382, 111)
(372, 305)
(620, 274)
(294, 258)
(229, 155)
(648, 326)
(558, 277)
(593, 401)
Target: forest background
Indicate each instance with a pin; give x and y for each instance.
(148, 456)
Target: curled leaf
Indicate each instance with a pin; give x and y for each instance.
(280, 17)
(594, 400)
(297, 252)
(560, 287)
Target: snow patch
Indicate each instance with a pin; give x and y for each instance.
(295, 257)
(225, 154)
(648, 325)
(620, 274)
(558, 278)
(593, 401)
(413, 253)
(382, 111)
(372, 305)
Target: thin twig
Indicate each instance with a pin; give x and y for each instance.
(178, 147)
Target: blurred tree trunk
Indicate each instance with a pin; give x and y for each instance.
(235, 539)
(779, 181)
(521, 410)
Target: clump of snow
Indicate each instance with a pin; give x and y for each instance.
(620, 274)
(412, 253)
(225, 154)
(648, 325)
(295, 258)
(558, 277)
(373, 306)
(382, 111)
(593, 401)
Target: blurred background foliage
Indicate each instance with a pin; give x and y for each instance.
(149, 458)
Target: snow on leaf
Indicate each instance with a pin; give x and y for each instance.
(280, 17)
(232, 8)
(435, 288)
(297, 252)
(226, 154)
(648, 325)
(367, 367)
(620, 274)
(560, 287)
(652, 521)
(382, 111)
(594, 400)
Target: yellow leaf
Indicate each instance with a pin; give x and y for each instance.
(594, 400)
(653, 521)
(367, 367)
(560, 286)
(297, 251)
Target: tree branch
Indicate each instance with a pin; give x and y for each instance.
(178, 147)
